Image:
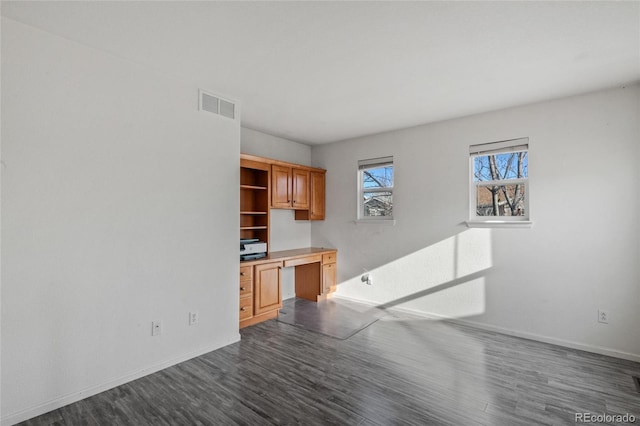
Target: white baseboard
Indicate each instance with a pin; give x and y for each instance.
(54, 404)
(511, 332)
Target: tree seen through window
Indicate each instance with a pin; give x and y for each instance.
(500, 183)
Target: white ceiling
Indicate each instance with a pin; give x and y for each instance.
(319, 72)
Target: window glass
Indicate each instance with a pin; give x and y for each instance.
(375, 188)
(495, 196)
(499, 180)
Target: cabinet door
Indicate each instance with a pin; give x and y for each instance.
(329, 277)
(300, 179)
(266, 289)
(316, 207)
(281, 187)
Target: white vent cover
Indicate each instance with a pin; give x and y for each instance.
(215, 104)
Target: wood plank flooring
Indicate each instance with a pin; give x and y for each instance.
(401, 370)
(337, 318)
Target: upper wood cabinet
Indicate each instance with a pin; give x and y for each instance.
(281, 187)
(290, 187)
(300, 180)
(316, 198)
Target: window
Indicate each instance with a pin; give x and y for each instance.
(375, 189)
(499, 182)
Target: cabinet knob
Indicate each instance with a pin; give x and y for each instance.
(243, 288)
(242, 274)
(294, 201)
(243, 309)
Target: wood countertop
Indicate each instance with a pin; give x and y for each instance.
(283, 255)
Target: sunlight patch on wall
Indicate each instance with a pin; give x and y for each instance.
(473, 252)
(445, 279)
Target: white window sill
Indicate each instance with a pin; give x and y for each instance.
(390, 222)
(499, 224)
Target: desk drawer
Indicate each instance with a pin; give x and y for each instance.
(246, 307)
(329, 258)
(246, 288)
(246, 273)
(302, 260)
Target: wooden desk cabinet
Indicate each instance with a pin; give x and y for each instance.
(260, 284)
(265, 184)
(260, 292)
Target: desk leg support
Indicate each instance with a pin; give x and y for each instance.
(308, 281)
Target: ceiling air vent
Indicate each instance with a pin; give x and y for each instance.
(217, 105)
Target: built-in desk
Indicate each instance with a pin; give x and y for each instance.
(260, 286)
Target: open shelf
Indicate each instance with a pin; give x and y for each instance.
(254, 200)
(253, 187)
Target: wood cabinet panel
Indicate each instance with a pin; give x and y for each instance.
(316, 210)
(281, 188)
(267, 290)
(308, 281)
(300, 185)
(317, 201)
(329, 278)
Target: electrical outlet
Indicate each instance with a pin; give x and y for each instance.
(603, 316)
(193, 318)
(156, 327)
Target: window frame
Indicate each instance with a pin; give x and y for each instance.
(374, 163)
(494, 148)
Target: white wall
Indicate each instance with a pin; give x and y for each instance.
(1, 162)
(286, 232)
(119, 205)
(263, 144)
(546, 282)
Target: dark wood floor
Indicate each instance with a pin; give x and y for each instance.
(400, 370)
